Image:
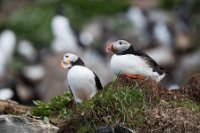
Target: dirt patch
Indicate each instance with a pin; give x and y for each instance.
(168, 119)
(192, 88)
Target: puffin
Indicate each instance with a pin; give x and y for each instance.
(83, 82)
(8, 91)
(134, 64)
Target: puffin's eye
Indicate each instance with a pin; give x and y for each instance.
(66, 56)
(120, 43)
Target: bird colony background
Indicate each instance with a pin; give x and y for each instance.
(34, 35)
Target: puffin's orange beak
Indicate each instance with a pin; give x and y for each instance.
(110, 48)
(64, 64)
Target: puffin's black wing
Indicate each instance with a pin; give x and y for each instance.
(151, 62)
(98, 82)
(70, 90)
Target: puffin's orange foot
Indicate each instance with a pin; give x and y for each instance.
(134, 76)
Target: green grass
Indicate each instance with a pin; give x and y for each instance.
(57, 107)
(112, 106)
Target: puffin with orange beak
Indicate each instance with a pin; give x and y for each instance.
(134, 64)
(82, 81)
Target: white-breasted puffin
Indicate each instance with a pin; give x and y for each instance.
(134, 64)
(82, 81)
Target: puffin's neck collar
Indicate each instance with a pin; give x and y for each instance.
(78, 62)
(130, 50)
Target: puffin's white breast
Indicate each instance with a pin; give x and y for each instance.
(82, 83)
(131, 64)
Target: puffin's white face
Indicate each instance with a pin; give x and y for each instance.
(68, 59)
(118, 46)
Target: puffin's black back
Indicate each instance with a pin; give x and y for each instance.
(78, 62)
(98, 82)
(148, 59)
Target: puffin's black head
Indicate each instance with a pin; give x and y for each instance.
(70, 60)
(119, 47)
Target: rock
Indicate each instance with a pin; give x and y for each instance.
(21, 124)
(11, 107)
(104, 129)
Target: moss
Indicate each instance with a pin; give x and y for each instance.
(112, 106)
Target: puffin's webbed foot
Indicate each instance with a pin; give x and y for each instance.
(134, 76)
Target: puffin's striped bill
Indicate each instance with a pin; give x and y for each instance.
(66, 64)
(62, 64)
(109, 48)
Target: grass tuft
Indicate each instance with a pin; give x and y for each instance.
(57, 107)
(113, 106)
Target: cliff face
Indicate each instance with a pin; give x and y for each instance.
(142, 106)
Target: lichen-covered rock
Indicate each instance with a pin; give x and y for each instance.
(21, 124)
